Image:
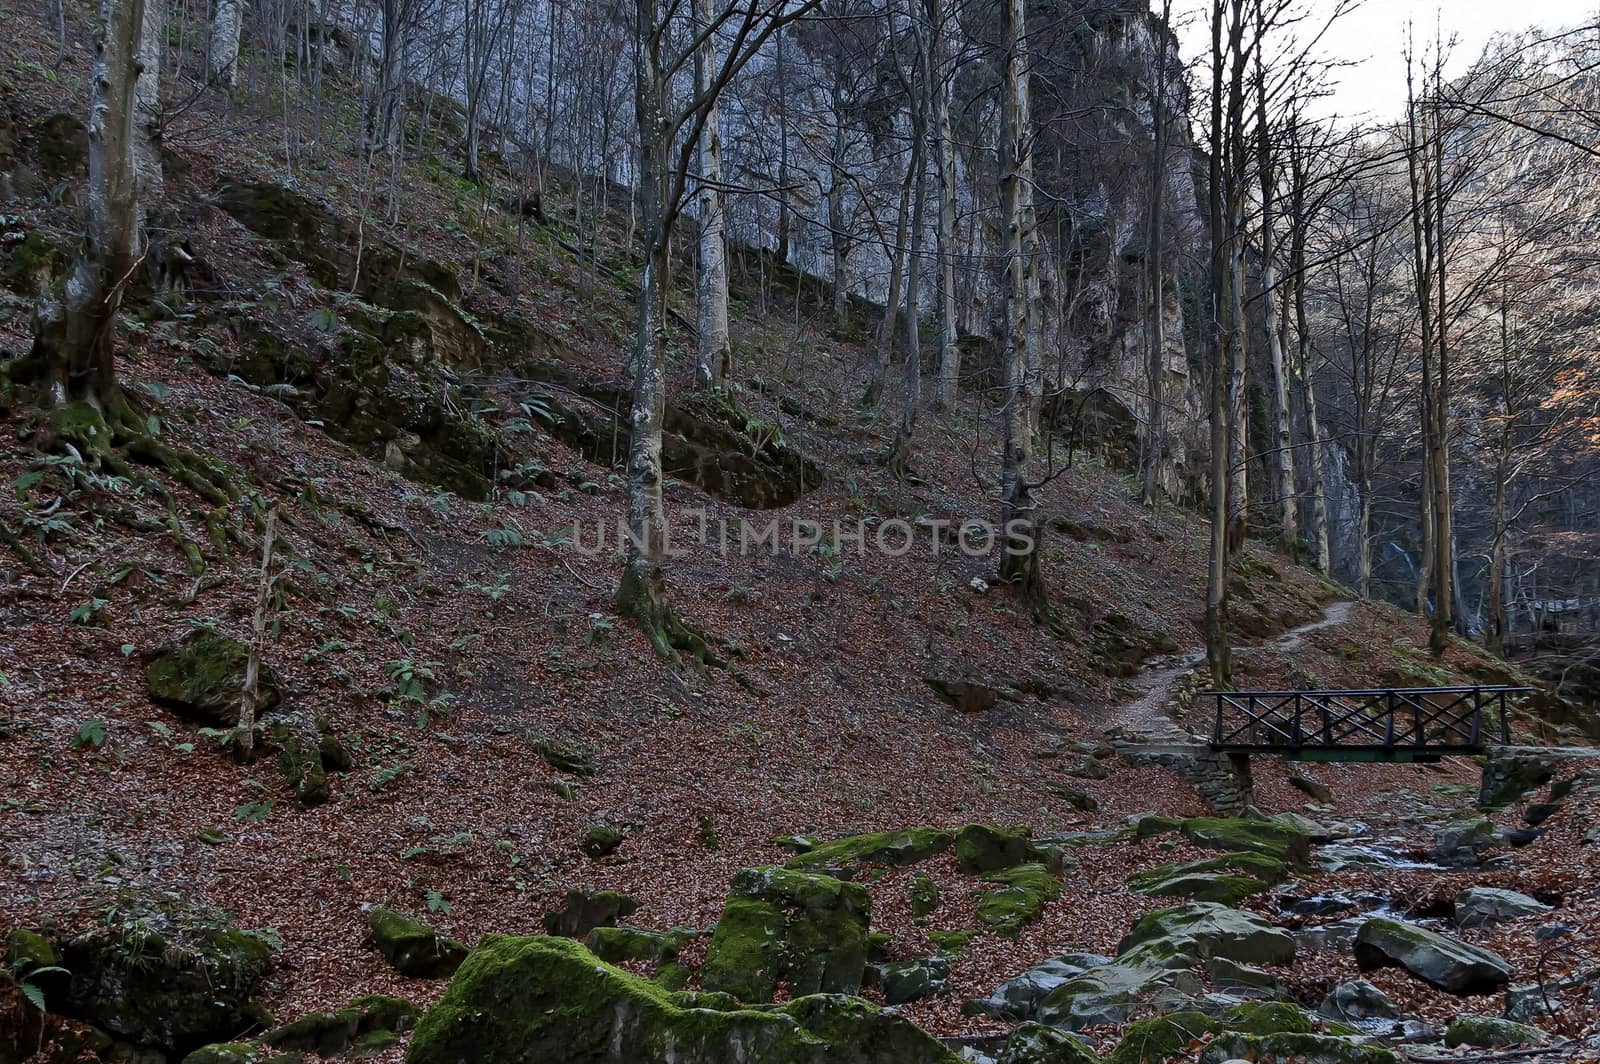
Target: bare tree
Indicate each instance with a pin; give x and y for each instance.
(714, 350)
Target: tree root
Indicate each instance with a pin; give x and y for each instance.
(642, 597)
(21, 550)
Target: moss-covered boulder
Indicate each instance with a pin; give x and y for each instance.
(1281, 842)
(904, 847)
(177, 989)
(584, 910)
(364, 1021)
(1227, 879)
(600, 841)
(229, 1053)
(780, 924)
(1018, 997)
(1267, 1017)
(1443, 962)
(617, 944)
(911, 980)
(1111, 994)
(1034, 1043)
(542, 998)
(1491, 1032)
(1358, 999)
(414, 948)
(984, 848)
(1296, 1048)
(1189, 934)
(1161, 1038)
(923, 894)
(201, 677)
(1021, 896)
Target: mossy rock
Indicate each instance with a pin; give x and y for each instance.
(1161, 1038)
(541, 998)
(1491, 1032)
(1269, 838)
(1441, 961)
(228, 1053)
(1151, 825)
(984, 848)
(176, 990)
(616, 944)
(1299, 1048)
(1024, 891)
(1034, 1043)
(912, 980)
(584, 910)
(600, 841)
(780, 924)
(1191, 933)
(1217, 887)
(1267, 1017)
(924, 896)
(201, 677)
(904, 847)
(414, 948)
(1268, 870)
(31, 264)
(301, 766)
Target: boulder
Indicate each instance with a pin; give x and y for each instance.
(1021, 897)
(414, 948)
(1244, 980)
(1192, 933)
(201, 677)
(1491, 1032)
(584, 910)
(1463, 842)
(1161, 1038)
(1268, 1017)
(1358, 1000)
(1438, 960)
(1018, 997)
(541, 998)
(1526, 1002)
(1228, 879)
(1279, 841)
(912, 980)
(1299, 1048)
(365, 1022)
(982, 848)
(1034, 1043)
(780, 924)
(600, 840)
(907, 846)
(617, 944)
(923, 895)
(1477, 906)
(1111, 993)
(176, 989)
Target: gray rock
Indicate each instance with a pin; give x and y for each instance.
(1184, 936)
(1243, 979)
(1034, 1043)
(912, 980)
(1359, 1000)
(1477, 906)
(1551, 932)
(1111, 994)
(1526, 1002)
(1438, 960)
(1462, 843)
(1018, 998)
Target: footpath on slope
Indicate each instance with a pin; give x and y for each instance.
(1145, 716)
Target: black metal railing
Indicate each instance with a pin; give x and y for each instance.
(1442, 719)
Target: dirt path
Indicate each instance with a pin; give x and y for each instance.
(1145, 715)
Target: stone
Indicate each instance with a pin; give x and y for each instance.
(1275, 840)
(1478, 906)
(201, 677)
(1243, 979)
(1314, 789)
(1299, 1048)
(1526, 1002)
(1089, 768)
(411, 946)
(983, 848)
(1539, 812)
(1314, 830)
(1021, 898)
(1034, 1043)
(966, 696)
(1018, 997)
(617, 944)
(923, 894)
(1161, 1038)
(1268, 1017)
(1442, 962)
(912, 980)
(541, 998)
(1192, 933)
(907, 846)
(1551, 932)
(780, 924)
(601, 840)
(1228, 879)
(1491, 1032)
(1358, 1000)
(177, 989)
(584, 910)
(1111, 993)
(334, 1033)
(1462, 843)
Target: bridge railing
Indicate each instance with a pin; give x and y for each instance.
(1440, 719)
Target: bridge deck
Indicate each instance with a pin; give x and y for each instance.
(1378, 724)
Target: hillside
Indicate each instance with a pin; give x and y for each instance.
(430, 407)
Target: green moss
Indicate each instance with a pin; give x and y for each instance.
(225, 1053)
(983, 848)
(1265, 837)
(810, 930)
(27, 950)
(1490, 1032)
(904, 847)
(1324, 1049)
(954, 941)
(584, 910)
(1161, 1038)
(1026, 889)
(615, 944)
(1269, 870)
(201, 676)
(544, 998)
(414, 948)
(1152, 825)
(82, 425)
(1267, 1017)
(746, 951)
(600, 840)
(1034, 1043)
(924, 896)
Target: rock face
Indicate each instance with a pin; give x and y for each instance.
(176, 991)
(809, 930)
(541, 998)
(1438, 960)
(414, 948)
(1477, 906)
(201, 677)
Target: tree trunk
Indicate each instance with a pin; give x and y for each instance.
(74, 330)
(900, 453)
(147, 95)
(891, 305)
(949, 336)
(714, 350)
(226, 26)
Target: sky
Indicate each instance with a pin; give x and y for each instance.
(1373, 37)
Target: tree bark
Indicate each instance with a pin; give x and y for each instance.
(949, 336)
(226, 27)
(714, 350)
